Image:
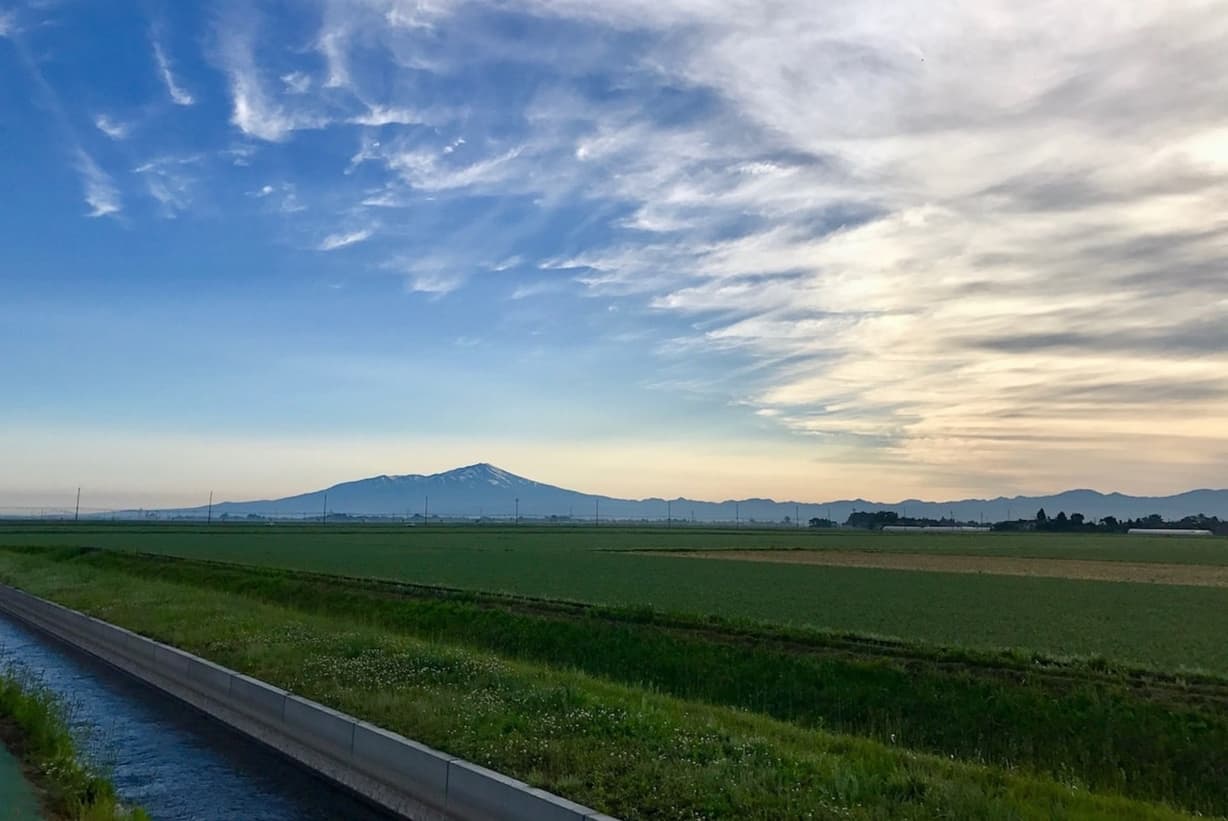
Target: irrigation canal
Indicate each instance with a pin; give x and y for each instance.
(163, 755)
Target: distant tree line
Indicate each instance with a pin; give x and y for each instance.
(878, 519)
(1061, 523)
(1078, 523)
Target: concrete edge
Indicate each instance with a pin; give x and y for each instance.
(396, 773)
(480, 793)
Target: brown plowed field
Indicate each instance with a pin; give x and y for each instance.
(1147, 572)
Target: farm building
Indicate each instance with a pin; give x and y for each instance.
(1150, 531)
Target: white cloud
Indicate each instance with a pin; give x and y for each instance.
(283, 198)
(424, 169)
(290, 204)
(332, 46)
(8, 23)
(344, 239)
(415, 14)
(380, 115)
(436, 283)
(934, 232)
(101, 195)
(541, 287)
(255, 111)
(254, 115)
(112, 128)
(240, 155)
(296, 82)
(385, 198)
(506, 263)
(168, 181)
(179, 96)
(433, 274)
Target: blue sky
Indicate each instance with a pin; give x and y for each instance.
(674, 247)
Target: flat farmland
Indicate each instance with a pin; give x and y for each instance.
(1162, 626)
(650, 718)
(1195, 575)
(768, 681)
(380, 545)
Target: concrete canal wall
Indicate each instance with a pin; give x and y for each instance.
(397, 773)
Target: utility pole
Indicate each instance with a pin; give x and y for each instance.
(669, 518)
(76, 516)
(797, 516)
(596, 513)
(426, 508)
(324, 512)
(517, 510)
(737, 514)
(209, 518)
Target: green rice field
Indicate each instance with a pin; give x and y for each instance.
(1161, 626)
(573, 659)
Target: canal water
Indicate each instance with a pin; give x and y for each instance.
(163, 755)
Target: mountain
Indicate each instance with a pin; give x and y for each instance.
(485, 490)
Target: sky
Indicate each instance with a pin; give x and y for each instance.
(711, 248)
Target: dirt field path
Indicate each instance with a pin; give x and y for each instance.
(1195, 575)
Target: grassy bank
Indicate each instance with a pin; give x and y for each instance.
(632, 751)
(1148, 736)
(34, 727)
(1159, 626)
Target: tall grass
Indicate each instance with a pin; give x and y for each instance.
(41, 738)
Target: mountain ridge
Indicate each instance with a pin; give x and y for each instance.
(484, 490)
